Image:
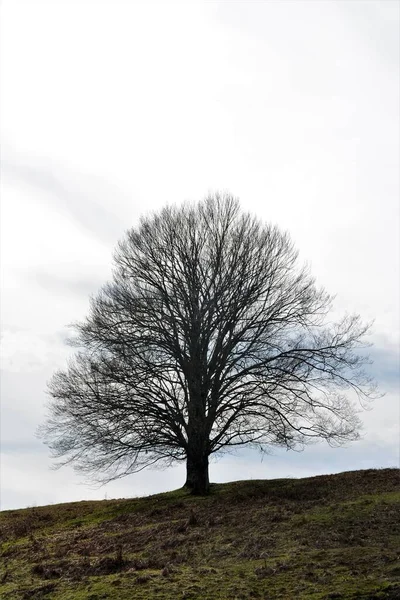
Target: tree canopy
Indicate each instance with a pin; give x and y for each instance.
(209, 336)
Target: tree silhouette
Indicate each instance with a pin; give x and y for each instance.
(209, 336)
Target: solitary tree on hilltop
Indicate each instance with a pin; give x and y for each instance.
(209, 336)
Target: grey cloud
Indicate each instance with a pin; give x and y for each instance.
(385, 366)
(31, 446)
(82, 286)
(377, 22)
(319, 458)
(374, 21)
(82, 197)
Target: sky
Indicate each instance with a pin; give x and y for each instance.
(111, 109)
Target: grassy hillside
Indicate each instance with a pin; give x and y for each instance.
(332, 537)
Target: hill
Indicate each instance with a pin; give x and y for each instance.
(325, 537)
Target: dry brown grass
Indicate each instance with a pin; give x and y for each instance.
(308, 538)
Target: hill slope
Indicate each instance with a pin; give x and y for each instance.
(335, 536)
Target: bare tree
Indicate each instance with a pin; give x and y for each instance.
(209, 336)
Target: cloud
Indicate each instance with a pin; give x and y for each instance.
(385, 367)
(83, 198)
(25, 351)
(368, 18)
(66, 284)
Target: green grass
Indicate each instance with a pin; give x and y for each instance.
(333, 536)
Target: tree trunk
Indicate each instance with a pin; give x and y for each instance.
(197, 480)
(197, 445)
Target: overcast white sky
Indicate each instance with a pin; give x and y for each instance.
(113, 108)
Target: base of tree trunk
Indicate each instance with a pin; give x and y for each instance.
(197, 490)
(197, 479)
